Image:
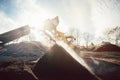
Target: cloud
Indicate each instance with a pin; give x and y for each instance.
(72, 13)
(28, 12)
(87, 16)
(105, 14)
(33, 14)
(6, 23)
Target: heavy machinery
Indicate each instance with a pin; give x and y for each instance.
(51, 26)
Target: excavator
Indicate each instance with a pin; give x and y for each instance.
(51, 26)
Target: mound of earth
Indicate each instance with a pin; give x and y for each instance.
(26, 51)
(58, 64)
(15, 60)
(16, 71)
(108, 47)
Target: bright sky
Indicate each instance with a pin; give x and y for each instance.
(91, 16)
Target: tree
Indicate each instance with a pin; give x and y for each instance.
(113, 34)
(76, 33)
(71, 30)
(87, 38)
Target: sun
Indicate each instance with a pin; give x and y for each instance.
(35, 20)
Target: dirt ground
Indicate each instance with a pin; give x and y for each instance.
(59, 64)
(113, 57)
(105, 65)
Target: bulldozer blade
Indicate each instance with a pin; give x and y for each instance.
(14, 34)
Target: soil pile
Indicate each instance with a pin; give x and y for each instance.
(108, 47)
(16, 71)
(15, 60)
(58, 64)
(26, 51)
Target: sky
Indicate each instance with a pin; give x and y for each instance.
(92, 16)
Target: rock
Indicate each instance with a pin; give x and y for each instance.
(58, 64)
